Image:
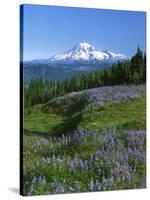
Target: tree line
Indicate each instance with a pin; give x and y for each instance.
(40, 91)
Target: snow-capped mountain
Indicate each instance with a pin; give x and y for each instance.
(86, 53)
(81, 58)
(82, 53)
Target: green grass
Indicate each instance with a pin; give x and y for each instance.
(125, 114)
(36, 120)
(129, 115)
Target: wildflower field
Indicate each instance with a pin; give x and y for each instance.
(92, 140)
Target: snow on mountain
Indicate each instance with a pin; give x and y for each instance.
(81, 52)
(116, 57)
(84, 53)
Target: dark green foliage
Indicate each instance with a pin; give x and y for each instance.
(68, 105)
(41, 91)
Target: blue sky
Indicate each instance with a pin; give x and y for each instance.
(49, 30)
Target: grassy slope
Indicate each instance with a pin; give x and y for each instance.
(127, 115)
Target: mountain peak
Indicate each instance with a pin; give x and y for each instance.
(84, 45)
(84, 53)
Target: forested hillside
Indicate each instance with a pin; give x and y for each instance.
(134, 71)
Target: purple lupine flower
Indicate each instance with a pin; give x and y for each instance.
(42, 180)
(81, 164)
(98, 185)
(144, 182)
(77, 186)
(72, 167)
(98, 154)
(91, 185)
(53, 185)
(60, 189)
